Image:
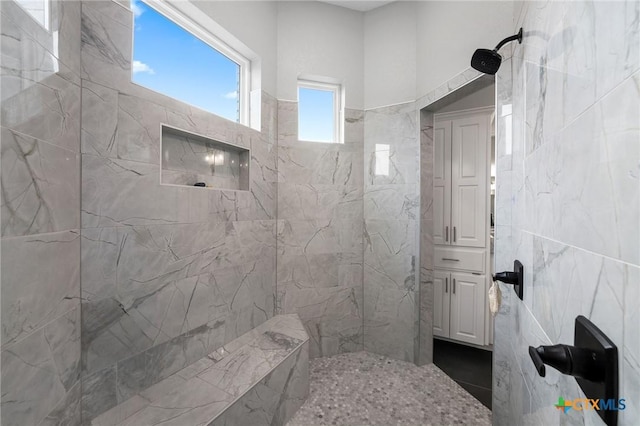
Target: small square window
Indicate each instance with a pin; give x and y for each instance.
(383, 155)
(319, 112)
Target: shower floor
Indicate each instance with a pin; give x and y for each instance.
(366, 389)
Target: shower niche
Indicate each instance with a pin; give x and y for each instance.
(194, 160)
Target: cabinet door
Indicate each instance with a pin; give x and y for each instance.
(441, 291)
(468, 294)
(469, 180)
(442, 182)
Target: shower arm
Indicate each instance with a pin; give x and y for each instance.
(508, 39)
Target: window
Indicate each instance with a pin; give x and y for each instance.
(319, 111)
(179, 58)
(38, 9)
(382, 156)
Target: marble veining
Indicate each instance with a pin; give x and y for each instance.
(390, 232)
(319, 233)
(193, 274)
(169, 273)
(275, 399)
(62, 35)
(43, 367)
(567, 199)
(27, 304)
(40, 84)
(40, 109)
(67, 412)
(218, 388)
(105, 44)
(425, 282)
(39, 186)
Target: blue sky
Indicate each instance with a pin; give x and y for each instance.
(315, 115)
(170, 60)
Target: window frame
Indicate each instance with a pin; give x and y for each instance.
(338, 106)
(46, 13)
(182, 14)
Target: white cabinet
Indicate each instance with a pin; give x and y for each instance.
(459, 258)
(460, 179)
(461, 223)
(459, 308)
(441, 182)
(441, 303)
(467, 308)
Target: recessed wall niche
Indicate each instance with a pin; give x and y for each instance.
(194, 160)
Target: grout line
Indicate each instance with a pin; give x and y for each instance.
(27, 236)
(40, 140)
(389, 105)
(597, 103)
(11, 344)
(624, 262)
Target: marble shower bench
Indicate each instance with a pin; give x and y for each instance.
(260, 378)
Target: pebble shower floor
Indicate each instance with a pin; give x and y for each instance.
(364, 389)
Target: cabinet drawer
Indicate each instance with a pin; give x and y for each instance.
(462, 259)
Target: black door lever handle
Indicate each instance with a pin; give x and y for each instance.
(577, 362)
(593, 361)
(537, 361)
(515, 278)
(506, 277)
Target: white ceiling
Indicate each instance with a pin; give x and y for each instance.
(360, 5)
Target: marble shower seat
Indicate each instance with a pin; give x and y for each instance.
(260, 378)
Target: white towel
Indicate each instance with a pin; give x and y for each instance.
(495, 298)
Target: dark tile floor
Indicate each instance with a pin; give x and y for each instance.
(469, 367)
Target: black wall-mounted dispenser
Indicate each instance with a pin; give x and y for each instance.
(515, 278)
(593, 361)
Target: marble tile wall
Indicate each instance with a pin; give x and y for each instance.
(458, 86)
(168, 273)
(391, 220)
(425, 298)
(398, 230)
(319, 256)
(39, 209)
(260, 378)
(187, 159)
(568, 200)
(276, 398)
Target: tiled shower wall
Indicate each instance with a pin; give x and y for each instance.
(425, 106)
(568, 200)
(40, 340)
(347, 237)
(391, 209)
(169, 273)
(426, 250)
(319, 261)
